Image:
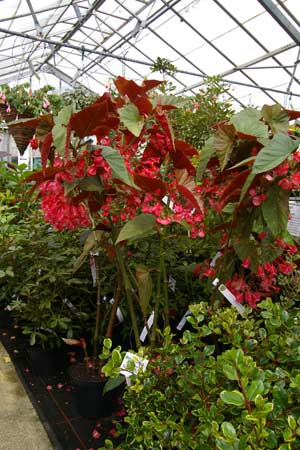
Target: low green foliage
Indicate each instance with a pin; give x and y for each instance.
(229, 383)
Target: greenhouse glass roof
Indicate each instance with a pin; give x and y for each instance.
(253, 45)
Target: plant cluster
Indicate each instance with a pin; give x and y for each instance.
(229, 383)
(23, 100)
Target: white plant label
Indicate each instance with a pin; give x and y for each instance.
(231, 298)
(132, 364)
(293, 225)
(144, 330)
(93, 270)
(172, 283)
(119, 314)
(183, 320)
(215, 258)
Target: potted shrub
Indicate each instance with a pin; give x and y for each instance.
(21, 102)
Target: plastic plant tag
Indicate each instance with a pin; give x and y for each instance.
(144, 330)
(132, 364)
(168, 202)
(119, 314)
(231, 298)
(215, 258)
(183, 320)
(172, 283)
(93, 270)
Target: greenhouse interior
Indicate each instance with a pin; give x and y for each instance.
(150, 224)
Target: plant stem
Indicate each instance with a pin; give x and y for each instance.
(158, 292)
(98, 309)
(128, 290)
(117, 298)
(166, 294)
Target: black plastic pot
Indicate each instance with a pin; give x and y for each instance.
(89, 398)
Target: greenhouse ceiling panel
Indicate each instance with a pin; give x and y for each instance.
(252, 45)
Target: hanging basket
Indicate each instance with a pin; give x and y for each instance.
(21, 133)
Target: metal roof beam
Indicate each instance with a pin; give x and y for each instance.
(35, 19)
(281, 19)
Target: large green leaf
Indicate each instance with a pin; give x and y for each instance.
(276, 209)
(274, 152)
(130, 116)
(248, 122)
(140, 226)
(232, 398)
(223, 143)
(247, 248)
(116, 162)
(144, 282)
(59, 130)
(276, 117)
(206, 153)
(91, 183)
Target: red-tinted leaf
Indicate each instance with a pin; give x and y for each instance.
(150, 84)
(162, 119)
(133, 90)
(33, 121)
(219, 124)
(153, 185)
(67, 149)
(45, 149)
(186, 148)
(87, 119)
(180, 161)
(292, 114)
(234, 188)
(186, 186)
(48, 174)
(245, 136)
(144, 105)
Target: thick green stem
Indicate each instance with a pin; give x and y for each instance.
(128, 291)
(158, 292)
(166, 293)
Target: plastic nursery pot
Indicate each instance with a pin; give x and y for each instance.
(89, 399)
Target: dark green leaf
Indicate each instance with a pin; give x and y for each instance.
(206, 153)
(276, 209)
(144, 282)
(112, 383)
(93, 239)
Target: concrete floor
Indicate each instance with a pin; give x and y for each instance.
(20, 427)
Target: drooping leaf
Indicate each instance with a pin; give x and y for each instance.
(277, 216)
(144, 282)
(234, 189)
(45, 150)
(59, 130)
(131, 118)
(276, 118)
(181, 161)
(223, 143)
(248, 121)
(232, 398)
(91, 242)
(112, 383)
(91, 183)
(139, 227)
(186, 186)
(206, 153)
(293, 115)
(247, 248)
(274, 152)
(116, 162)
(186, 148)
